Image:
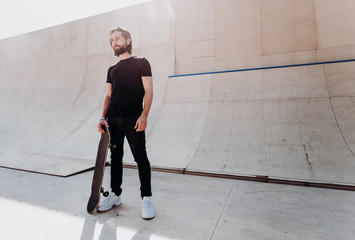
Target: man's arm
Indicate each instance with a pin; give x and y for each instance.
(107, 102)
(141, 123)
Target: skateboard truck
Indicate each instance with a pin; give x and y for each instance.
(105, 193)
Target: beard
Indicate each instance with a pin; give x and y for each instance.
(121, 50)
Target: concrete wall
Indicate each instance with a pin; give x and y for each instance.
(232, 34)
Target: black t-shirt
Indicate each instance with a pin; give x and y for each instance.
(127, 86)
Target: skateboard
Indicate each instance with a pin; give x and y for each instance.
(96, 187)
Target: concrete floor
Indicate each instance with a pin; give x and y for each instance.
(36, 206)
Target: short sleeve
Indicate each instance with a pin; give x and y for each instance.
(109, 80)
(145, 68)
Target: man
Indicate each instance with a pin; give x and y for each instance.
(128, 83)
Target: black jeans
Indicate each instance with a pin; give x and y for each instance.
(119, 128)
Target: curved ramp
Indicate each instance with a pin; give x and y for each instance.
(48, 105)
(290, 123)
(52, 84)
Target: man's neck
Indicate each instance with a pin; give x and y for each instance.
(125, 55)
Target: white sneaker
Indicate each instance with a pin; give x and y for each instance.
(147, 208)
(111, 201)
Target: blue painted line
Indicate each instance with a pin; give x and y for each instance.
(263, 68)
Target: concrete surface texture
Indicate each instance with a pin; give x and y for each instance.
(229, 34)
(53, 82)
(291, 123)
(286, 123)
(36, 206)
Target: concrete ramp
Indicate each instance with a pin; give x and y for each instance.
(289, 123)
(48, 107)
(293, 123)
(52, 84)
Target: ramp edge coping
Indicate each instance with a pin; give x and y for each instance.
(262, 68)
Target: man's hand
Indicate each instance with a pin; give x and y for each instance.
(141, 124)
(102, 122)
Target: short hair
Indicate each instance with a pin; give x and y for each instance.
(125, 34)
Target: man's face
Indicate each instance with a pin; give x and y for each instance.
(119, 44)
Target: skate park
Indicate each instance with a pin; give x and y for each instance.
(250, 135)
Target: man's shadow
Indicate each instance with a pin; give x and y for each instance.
(108, 231)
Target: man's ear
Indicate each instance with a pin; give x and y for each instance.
(129, 40)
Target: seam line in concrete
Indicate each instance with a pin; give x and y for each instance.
(335, 116)
(225, 204)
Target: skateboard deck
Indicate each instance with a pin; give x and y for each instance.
(96, 187)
